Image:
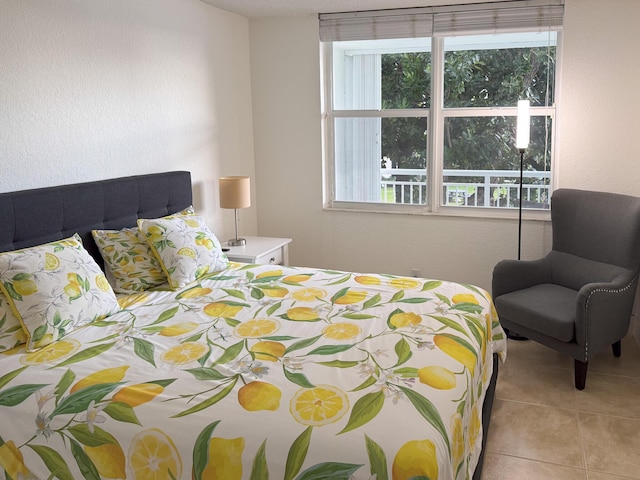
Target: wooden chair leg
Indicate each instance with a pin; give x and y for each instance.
(617, 348)
(580, 372)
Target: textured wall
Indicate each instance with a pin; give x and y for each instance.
(92, 89)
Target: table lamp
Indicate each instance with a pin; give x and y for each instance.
(235, 192)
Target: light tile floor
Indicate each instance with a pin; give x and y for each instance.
(542, 428)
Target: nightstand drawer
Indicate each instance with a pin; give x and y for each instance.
(274, 257)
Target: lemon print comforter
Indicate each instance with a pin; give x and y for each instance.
(259, 372)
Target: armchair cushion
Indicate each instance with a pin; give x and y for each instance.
(574, 272)
(547, 308)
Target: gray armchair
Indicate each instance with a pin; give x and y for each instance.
(578, 298)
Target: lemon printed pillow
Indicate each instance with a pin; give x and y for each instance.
(11, 333)
(185, 247)
(54, 289)
(130, 264)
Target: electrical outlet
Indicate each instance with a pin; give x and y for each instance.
(416, 272)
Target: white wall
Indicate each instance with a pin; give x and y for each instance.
(94, 89)
(598, 149)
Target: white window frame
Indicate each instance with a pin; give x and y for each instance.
(436, 115)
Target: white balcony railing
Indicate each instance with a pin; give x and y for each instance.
(468, 188)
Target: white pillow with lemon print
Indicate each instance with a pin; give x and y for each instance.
(185, 247)
(130, 264)
(54, 289)
(11, 332)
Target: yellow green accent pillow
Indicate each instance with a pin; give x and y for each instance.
(130, 265)
(11, 333)
(184, 246)
(54, 289)
(129, 262)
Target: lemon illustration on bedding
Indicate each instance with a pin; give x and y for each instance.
(256, 328)
(303, 314)
(187, 252)
(23, 285)
(103, 283)
(184, 353)
(51, 262)
(134, 395)
(108, 459)
(107, 375)
(415, 459)
(152, 455)
(320, 405)
(402, 283)
(404, 319)
(52, 352)
(309, 294)
(350, 297)
(225, 459)
(437, 377)
(178, 329)
(12, 461)
(367, 280)
(219, 309)
(268, 350)
(257, 395)
(341, 331)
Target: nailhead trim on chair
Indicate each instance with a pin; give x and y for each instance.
(605, 290)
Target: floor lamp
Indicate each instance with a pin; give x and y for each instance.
(523, 128)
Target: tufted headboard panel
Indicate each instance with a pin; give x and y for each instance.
(33, 217)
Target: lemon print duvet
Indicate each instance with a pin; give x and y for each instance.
(253, 372)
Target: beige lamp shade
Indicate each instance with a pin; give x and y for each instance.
(235, 192)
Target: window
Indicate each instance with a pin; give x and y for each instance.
(421, 106)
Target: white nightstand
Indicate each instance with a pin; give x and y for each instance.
(260, 250)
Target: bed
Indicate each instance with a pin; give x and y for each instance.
(246, 371)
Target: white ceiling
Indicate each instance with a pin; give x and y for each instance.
(285, 8)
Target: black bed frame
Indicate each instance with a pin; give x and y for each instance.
(37, 216)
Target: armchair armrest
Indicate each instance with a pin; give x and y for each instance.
(512, 275)
(611, 300)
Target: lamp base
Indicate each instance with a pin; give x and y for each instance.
(237, 242)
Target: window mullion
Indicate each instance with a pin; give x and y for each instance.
(436, 124)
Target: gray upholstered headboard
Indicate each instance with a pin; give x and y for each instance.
(33, 217)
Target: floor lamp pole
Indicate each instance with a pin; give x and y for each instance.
(520, 203)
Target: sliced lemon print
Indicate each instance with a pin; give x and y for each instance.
(342, 331)
(134, 395)
(52, 352)
(303, 314)
(102, 283)
(108, 459)
(187, 252)
(367, 280)
(415, 459)
(258, 395)
(51, 262)
(107, 375)
(437, 377)
(310, 294)
(268, 350)
(185, 353)
(404, 283)
(256, 328)
(178, 329)
(352, 296)
(320, 405)
(225, 459)
(153, 456)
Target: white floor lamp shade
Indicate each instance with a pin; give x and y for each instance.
(235, 192)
